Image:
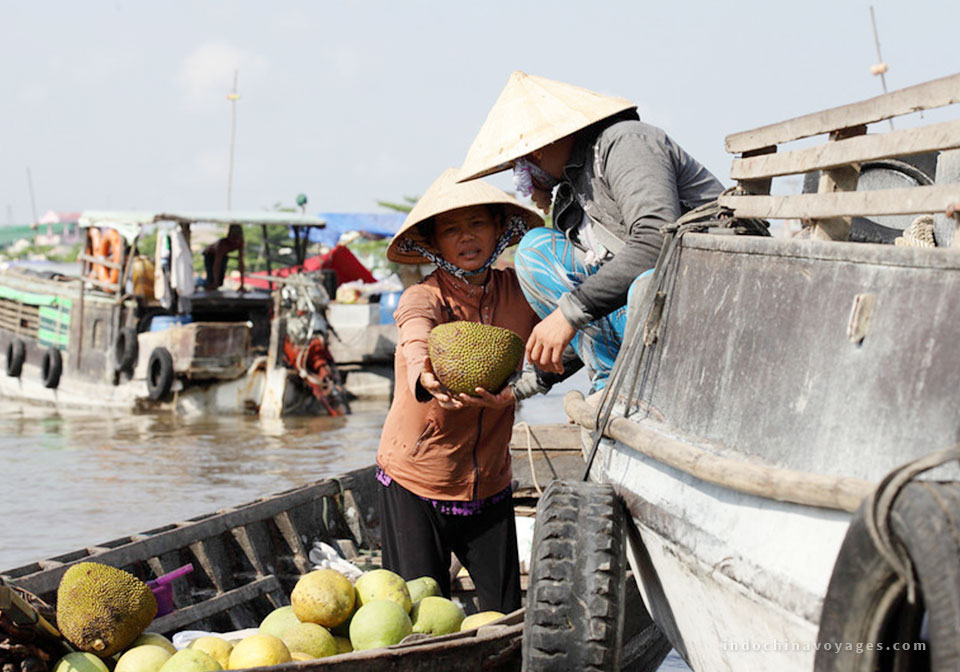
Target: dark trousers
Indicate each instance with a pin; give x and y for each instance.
(418, 540)
(209, 262)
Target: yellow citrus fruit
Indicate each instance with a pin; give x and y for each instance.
(476, 620)
(144, 658)
(258, 651)
(156, 640)
(324, 596)
(278, 620)
(382, 584)
(310, 638)
(216, 647)
(191, 660)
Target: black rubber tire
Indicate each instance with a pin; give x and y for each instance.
(16, 356)
(52, 368)
(575, 602)
(159, 373)
(863, 603)
(125, 348)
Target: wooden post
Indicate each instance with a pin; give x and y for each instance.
(761, 186)
(842, 178)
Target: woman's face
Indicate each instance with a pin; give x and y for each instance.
(466, 237)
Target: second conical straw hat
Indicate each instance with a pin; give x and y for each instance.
(446, 194)
(531, 113)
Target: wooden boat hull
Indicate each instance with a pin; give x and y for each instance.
(217, 366)
(248, 558)
(763, 363)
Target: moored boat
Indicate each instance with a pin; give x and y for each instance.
(247, 559)
(779, 423)
(102, 338)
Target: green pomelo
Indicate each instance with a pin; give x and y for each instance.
(343, 644)
(278, 621)
(422, 587)
(80, 662)
(379, 623)
(311, 639)
(191, 660)
(468, 355)
(143, 658)
(436, 616)
(382, 584)
(155, 640)
(476, 620)
(216, 647)
(324, 596)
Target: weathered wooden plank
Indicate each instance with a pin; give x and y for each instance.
(164, 542)
(926, 96)
(292, 537)
(905, 142)
(215, 605)
(912, 200)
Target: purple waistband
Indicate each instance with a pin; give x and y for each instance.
(452, 508)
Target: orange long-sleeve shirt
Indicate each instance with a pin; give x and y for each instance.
(457, 455)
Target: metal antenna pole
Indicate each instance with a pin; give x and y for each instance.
(881, 67)
(233, 97)
(33, 202)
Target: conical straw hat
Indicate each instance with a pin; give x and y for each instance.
(447, 194)
(531, 113)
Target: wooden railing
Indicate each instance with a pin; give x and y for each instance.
(839, 160)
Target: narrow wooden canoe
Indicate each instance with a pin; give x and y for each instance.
(248, 558)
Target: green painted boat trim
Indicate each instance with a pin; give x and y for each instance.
(48, 337)
(34, 299)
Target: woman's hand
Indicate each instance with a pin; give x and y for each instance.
(485, 399)
(430, 382)
(542, 198)
(548, 340)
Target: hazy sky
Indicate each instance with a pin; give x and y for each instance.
(122, 105)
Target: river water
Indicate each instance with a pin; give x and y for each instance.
(69, 481)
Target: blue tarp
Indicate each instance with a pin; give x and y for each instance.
(338, 223)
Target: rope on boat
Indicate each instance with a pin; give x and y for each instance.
(880, 504)
(785, 485)
(533, 471)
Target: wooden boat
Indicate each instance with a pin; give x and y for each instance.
(248, 558)
(770, 391)
(100, 339)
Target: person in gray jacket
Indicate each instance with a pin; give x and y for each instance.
(617, 181)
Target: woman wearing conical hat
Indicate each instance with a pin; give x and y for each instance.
(444, 459)
(617, 181)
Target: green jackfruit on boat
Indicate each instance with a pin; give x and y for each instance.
(468, 355)
(102, 609)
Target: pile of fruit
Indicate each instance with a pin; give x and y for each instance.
(106, 612)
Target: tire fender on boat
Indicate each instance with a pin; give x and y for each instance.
(125, 348)
(867, 599)
(52, 368)
(159, 373)
(16, 355)
(575, 602)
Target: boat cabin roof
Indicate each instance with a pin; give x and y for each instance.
(129, 223)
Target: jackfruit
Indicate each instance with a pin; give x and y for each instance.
(468, 355)
(102, 609)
